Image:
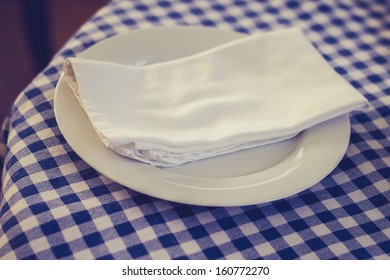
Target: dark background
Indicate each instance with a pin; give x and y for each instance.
(31, 31)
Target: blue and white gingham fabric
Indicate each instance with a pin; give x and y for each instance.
(54, 206)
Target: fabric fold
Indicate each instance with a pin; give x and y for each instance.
(249, 92)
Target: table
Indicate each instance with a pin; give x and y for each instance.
(54, 206)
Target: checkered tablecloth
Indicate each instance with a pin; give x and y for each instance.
(54, 206)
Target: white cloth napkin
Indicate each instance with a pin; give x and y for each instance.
(249, 92)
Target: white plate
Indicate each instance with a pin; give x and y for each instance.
(248, 177)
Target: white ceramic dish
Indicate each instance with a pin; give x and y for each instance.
(248, 177)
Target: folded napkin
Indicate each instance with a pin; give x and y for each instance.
(249, 92)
